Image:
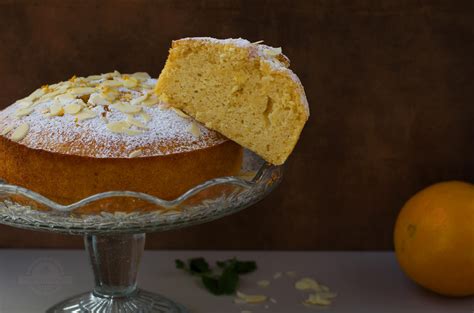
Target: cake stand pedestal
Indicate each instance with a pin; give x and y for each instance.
(115, 241)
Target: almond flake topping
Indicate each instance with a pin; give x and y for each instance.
(112, 83)
(73, 108)
(126, 108)
(151, 100)
(81, 91)
(142, 76)
(136, 122)
(65, 98)
(23, 112)
(194, 129)
(85, 115)
(179, 112)
(135, 153)
(251, 298)
(24, 103)
(56, 109)
(118, 127)
(20, 132)
(129, 82)
(6, 130)
(272, 51)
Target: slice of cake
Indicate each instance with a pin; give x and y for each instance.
(243, 90)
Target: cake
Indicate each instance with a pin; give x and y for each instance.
(107, 132)
(243, 90)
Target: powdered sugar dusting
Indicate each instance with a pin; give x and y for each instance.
(156, 130)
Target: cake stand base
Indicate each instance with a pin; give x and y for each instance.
(115, 260)
(139, 302)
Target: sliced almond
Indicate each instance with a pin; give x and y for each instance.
(139, 99)
(179, 112)
(36, 94)
(277, 275)
(251, 298)
(272, 51)
(81, 91)
(142, 76)
(118, 126)
(50, 95)
(307, 283)
(151, 100)
(23, 112)
(194, 129)
(109, 93)
(20, 132)
(94, 77)
(135, 122)
(135, 153)
(112, 83)
(24, 103)
(126, 108)
(317, 299)
(56, 109)
(263, 283)
(85, 115)
(291, 273)
(65, 98)
(129, 81)
(73, 108)
(6, 130)
(98, 99)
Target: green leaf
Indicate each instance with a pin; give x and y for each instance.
(180, 264)
(211, 284)
(228, 281)
(199, 266)
(241, 267)
(225, 283)
(244, 267)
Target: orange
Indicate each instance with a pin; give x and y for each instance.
(434, 238)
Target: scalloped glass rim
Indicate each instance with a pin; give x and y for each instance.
(175, 213)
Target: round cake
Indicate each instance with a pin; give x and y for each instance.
(108, 132)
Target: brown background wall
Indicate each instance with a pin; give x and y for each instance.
(391, 89)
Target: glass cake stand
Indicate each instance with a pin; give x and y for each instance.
(115, 241)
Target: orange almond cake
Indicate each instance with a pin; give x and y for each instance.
(107, 132)
(243, 90)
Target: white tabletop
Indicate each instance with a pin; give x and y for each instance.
(364, 281)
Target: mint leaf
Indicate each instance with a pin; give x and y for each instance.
(179, 264)
(199, 266)
(211, 284)
(241, 267)
(224, 284)
(228, 281)
(244, 267)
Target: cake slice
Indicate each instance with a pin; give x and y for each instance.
(243, 90)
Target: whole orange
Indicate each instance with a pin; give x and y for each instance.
(434, 238)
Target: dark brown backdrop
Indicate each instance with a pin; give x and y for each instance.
(390, 88)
